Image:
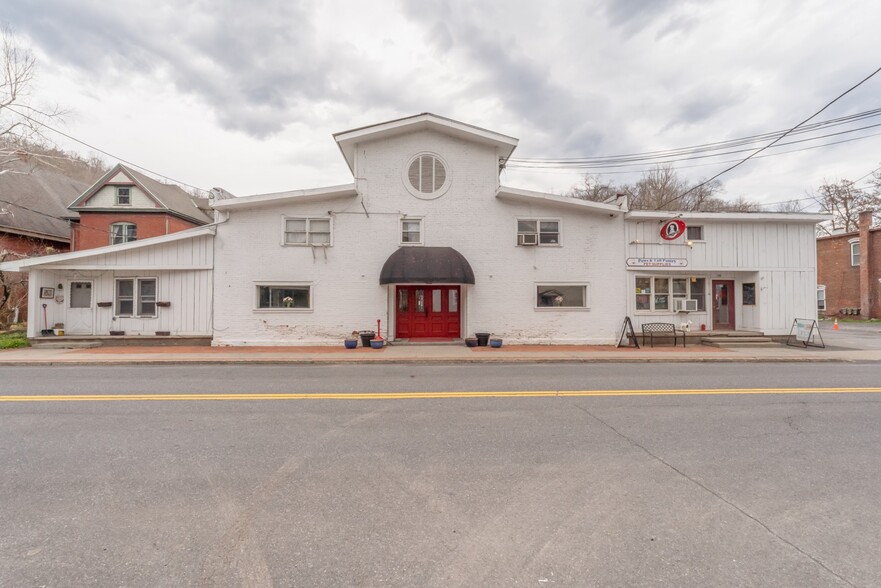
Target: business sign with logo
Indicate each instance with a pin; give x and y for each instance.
(672, 229)
(657, 262)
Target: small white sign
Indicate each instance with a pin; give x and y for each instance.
(803, 329)
(657, 262)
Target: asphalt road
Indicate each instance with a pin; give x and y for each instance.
(727, 489)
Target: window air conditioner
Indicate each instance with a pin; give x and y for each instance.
(686, 305)
(527, 239)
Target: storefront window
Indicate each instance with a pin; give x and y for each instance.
(661, 293)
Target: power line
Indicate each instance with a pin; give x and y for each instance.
(753, 154)
(705, 147)
(135, 165)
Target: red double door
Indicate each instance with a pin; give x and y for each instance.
(427, 312)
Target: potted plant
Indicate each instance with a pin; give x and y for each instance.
(351, 341)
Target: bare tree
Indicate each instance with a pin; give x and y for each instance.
(20, 121)
(789, 206)
(844, 201)
(662, 188)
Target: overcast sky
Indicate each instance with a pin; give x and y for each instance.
(246, 95)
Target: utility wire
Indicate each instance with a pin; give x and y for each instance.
(705, 147)
(135, 165)
(756, 152)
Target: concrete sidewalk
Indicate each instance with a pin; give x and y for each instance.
(428, 354)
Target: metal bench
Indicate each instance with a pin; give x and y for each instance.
(661, 330)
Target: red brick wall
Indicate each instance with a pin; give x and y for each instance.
(19, 296)
(842, 280)
(93, 229)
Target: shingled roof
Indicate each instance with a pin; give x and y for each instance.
(169, 197)
(35, 198)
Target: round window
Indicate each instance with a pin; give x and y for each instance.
(426, 176)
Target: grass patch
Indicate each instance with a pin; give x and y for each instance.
(13, 339)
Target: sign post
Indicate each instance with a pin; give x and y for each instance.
(805, 331)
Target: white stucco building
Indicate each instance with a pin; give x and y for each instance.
(426, 240)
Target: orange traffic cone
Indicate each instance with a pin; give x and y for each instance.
(835, 326)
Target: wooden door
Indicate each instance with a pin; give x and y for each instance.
(80, 309)
(427, 312)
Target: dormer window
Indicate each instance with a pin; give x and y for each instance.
(123, 196)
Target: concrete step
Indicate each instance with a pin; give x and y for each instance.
(61, 343)
(741, 341)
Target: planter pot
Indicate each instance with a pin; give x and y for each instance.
(366, 337)
(471, 341)
(59, 332)
(377, 343)
(495, 343)
(104, 304)
(163, 304)
(351, 343)
(482, 338)
(163, 333)
(117, 333)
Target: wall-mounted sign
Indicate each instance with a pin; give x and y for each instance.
(672, 229)
(657, 262)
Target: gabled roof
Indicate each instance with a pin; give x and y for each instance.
(36, 198)
(530, 197)
(29, 262)
(291, 196)
(347, 140)
(168, 197)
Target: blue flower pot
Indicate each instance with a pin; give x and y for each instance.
(351, 343)
(495, 343)
(471, 342)
(377, 343)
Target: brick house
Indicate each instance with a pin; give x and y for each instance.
(33, 207)
(849, 271)
(125, 205)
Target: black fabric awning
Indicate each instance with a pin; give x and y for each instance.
(426, 265)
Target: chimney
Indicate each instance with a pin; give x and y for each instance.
(865, 264)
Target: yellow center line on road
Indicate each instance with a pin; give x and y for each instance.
(429, 395)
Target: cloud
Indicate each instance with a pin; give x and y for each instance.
(252, 67)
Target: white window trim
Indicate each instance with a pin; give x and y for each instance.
(136, 295)
(538, 220)
(308, 219)
(551, 284)
(856, 242)
(672, 297)
(821, 288)
(448, 179)
(258, 284)
(421, 241)
(119, 224)
(130, 195)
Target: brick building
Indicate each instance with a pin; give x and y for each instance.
(849, 271)
(125, 205)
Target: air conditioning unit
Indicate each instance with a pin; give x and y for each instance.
(686, 305)
(527, 239)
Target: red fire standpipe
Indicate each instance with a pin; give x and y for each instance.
(378, 331)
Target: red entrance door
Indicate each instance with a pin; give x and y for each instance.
(723, 305)
(427, 312)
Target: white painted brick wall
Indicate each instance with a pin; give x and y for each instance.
(347, 295)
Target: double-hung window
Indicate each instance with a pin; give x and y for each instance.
(123, 233)
(821, 298)
(123, 195)
(307, 231)
(538, 231)
(411, 231)
(855, 252)
(136, 297)
(662, 293)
